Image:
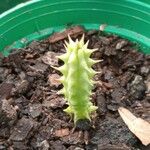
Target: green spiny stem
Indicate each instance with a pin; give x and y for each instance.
(77, 78)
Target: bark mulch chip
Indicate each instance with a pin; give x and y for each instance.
(31, 111)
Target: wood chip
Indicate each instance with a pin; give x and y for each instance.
(53, 80)
(113, 147)
(50, 59)
(73, 31)
(148, 86)
(62, 132)
(54, 103)
(22, 130)
(8, 114)
(5, 89)
(138, 126)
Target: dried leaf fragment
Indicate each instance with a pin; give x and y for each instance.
(102, 27)
(138, 126)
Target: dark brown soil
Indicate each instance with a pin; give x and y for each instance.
(31, 112)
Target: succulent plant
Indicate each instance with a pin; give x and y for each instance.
(77, 79)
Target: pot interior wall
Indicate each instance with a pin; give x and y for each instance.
(7, 4)
(37, 19)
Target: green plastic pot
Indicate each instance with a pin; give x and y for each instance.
(37, 19)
